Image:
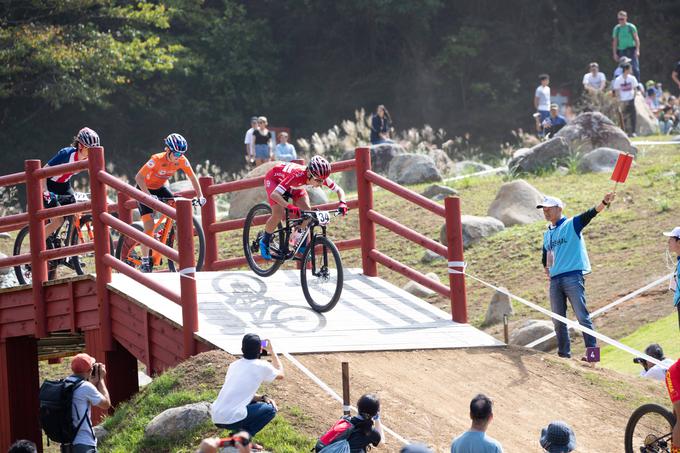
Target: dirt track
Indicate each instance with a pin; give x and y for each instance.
(426, 394)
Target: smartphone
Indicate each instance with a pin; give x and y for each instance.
(263, 343)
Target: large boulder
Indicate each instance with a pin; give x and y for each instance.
(317, 195)
(474, 229)
(5, 270)
(419, 290)
(466, 167)
(438, 191)
(382, 155)
(515, 203)
(413, 169)
(499, 307)
(429, 256)
(241, 201)
(531, 330)
(181, 186)
(442, 160)
(543, 155)
(645, 121)
(100, 432)
(600, 160)
(592, 130)
(177, 420)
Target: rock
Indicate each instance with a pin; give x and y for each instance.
(474, 229)
(533, 329)
(442, 161)
(645, 121)
(5, 235)
(676, 138)
(438, 189)
(8, 280)
(543, 155)
(465, 167)
(348, 180)
(498, 307)
(176, 420)
(562, 170)
(242, 200)
(430, 256)
(100, 433)
(599, 160)
(419, 290)
(143, 379)
(413, 169)
(181, 186)
(592, 130)
(382, 156)
(5, 270)
(515, 203)
(317, 196)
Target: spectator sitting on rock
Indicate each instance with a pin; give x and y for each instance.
(475, 439)
(594, 81)
(554, 122)
(652, 371)
(284, 151)
(238, 407)
(652, 100)
(558, 437)
(381, 122)
(542, 102)
(666, 120)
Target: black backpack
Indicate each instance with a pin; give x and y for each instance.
(56, 406)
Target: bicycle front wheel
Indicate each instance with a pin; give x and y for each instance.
(22, 245)
(128, 250)
(649, 429)
(199, 245)
(85, 262)
(253, 230)
(321, 275)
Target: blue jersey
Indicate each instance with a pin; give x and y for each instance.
(676, 296)
(64, 156)
(565, 242)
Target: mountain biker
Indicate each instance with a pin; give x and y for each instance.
(288, 181)
(85, 139)
(673, 386)
(153, 178)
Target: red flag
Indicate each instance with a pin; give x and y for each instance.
(622, 167)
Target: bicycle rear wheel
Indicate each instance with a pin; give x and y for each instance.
(128, 250)
(253, 230)
(199, 245)
(321, 275)
(649, 429)
(22, 245)
(85, 262)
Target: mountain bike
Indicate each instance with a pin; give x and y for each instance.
(164, 230)
(76, 229)
(321, 273)
(649, 430)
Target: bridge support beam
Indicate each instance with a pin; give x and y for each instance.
(19, 384)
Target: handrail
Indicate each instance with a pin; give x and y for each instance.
(408, 233)
(14, 219)
(13, 179)
(233, 186)
(140, 236)
(144, 279)
(71, 167)
(405, 193)
(343, 165)
(70, 250)
(409, 272)
(16, 260)
(64, 210)
(137, 194)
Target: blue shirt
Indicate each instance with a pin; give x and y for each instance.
(475, 442)
(64, 156)
(676, 296)
(285, 152)
(567, 245)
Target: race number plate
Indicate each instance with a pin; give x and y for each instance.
(593, 354)
(323, 217)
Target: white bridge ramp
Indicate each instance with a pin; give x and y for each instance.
(372, 314)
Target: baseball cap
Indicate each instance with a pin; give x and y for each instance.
(558, 437)
(251, 346)
(253, 119)
(649, 83)
(674, 233)
(415, 448)
(550, 202)
(594, 65)
(554, 106)
(653, 350)
(624, 60)
(82, 363)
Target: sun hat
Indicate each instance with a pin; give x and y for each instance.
(550, 202)
(674, 233)
(558, 437)
(82, 363)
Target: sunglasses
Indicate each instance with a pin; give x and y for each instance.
(177, 153)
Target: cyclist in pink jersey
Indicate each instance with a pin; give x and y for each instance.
(288, 181)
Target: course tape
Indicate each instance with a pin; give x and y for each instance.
(567, 321)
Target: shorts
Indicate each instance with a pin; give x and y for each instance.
(262, 152)
(59, 188)
(161, 192)
(294, 194)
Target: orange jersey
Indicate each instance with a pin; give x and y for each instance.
(159, 169)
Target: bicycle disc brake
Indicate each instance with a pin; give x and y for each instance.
(651, 445)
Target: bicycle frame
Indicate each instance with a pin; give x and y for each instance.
(309, 234)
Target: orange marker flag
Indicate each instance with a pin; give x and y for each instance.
(622, 168)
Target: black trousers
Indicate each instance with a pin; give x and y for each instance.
(629, 116)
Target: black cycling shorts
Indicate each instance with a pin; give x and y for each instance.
(60, 188)
(161, 192)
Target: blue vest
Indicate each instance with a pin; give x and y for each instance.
(676, 296)
(568, 249)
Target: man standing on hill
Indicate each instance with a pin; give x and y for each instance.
(626, 42)
(565, 261)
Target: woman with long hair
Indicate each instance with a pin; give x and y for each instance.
(381, 122)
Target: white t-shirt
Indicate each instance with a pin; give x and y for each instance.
(625, 87)
(657, 372)
(240, 385)
(249, 136)
(543, 95)
(85, 396)
(595, 81)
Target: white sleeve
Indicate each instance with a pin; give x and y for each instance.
(268, 371)
(585, 78)
(91, 393)
(537, 93)
(603, 78)
(249, 137)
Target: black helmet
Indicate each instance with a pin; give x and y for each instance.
(368, 404)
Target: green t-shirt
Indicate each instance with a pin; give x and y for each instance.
(624, 36)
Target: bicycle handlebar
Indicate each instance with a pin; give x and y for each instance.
(194, 201)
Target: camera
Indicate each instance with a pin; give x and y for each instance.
(95, 369)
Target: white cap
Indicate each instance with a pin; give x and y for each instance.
(675, 233)
(550, 202)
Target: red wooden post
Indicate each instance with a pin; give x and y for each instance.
(124, 214)
(36, 228)
(187, 271)
(208, 218)
(366, 226)
(101, 243)
(454, 237)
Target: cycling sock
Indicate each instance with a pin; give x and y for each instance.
(145, 260)
(267, 237)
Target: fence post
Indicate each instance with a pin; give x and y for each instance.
(366, 226)
(187, 271)
(36, 230)
(208, 217)
(454, 237)
(101, 243)
(124, 214)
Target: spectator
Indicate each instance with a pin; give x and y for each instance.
(415, 448)
(626, 42)
(659, 91)
(92, 392)
(565, 261)
(558, 437)
(250, 144)
(475, 439)
(367, 426)
(23, 446)
(594, 81)
(674, 248)
(652, 371)
(652, 100)
(619, 69)
(284, 151)
(675, 75)
(624, 87)
(542, 101)
(262, 138)
(554, 122)
(381, 122)
(238, 407)
(241, 441)
(666, 120)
